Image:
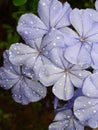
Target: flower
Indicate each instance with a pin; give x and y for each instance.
(35, 53)
(22, 81)
(86, 107)
(66, 120)
(62, 74)
(52, 13)
(80, 42)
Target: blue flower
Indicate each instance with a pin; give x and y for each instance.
(86, 110)
(66, 120)
(62, 74)
(34, 53)
(52, 15)
(80, 42)
(22, 81)
(86, 107)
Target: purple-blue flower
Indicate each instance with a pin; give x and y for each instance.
(35, 53)
(52, 13)
(22, 81)
(62, 75)
(66, 120)
(86, 110)
(86, 107)
(80, 42)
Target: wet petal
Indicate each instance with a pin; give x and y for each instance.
(63, 88)
(49, 74)
(31, 27)
(77, 54)
(86, 109)
(81, 21)
(8, 78)
(22, 54)
(90, 87)
(78, 77)
(26, 91)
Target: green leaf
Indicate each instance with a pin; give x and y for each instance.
(19, 2)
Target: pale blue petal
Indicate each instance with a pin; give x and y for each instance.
(26, 91)
(63, 88)
(22, 54)
(94, 55)
(78, 54)
(31, 27)
(90, 87)
(92, 34)
(78, 77)
(7, 78)
(81, 21)
(49, 74)
(53, 39)
(85, 109)
(96, 5)
(92, 13)
(70, 36)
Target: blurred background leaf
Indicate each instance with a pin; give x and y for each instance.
(19, 2)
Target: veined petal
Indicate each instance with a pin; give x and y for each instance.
(31, 27)
(78, 77)
(44, 11)
(26, 91)
(94, 55)
(63, 88)
(90, 87)
(7, 78)
(81, 21)
(22, 54)
(49, 74)
(86, 110)
(77, 54)
(63, 19)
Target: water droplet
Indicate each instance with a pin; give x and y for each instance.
(43, 4)
(80, 74)
(31, 22)
(26, 32)
(94, 111)
(58, 37)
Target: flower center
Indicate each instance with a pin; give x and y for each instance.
(82, 40)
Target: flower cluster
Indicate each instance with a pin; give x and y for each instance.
(60, 51)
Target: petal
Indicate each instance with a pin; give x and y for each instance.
(8, 78)
(77, 54)
(22, 54)
(81, 21)
(85, 109)
(31, 27)
(96, 5)
(90, 87)
(27, 91)
(63, 88)
(78, 77)
(63, 19)
(53, 39)
(53, 13)
(93, 14)
(56, 56)
(92, 34)
(49, 74)
(94, 55)
(70, 36)
(59, 125)
(44, 11)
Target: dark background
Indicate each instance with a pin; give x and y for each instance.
(13, 116)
